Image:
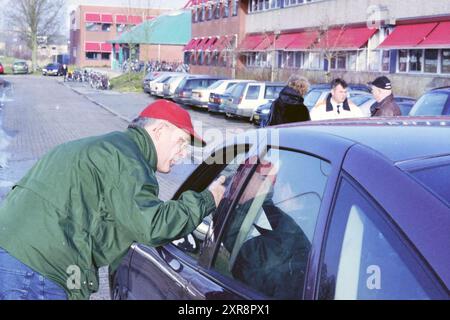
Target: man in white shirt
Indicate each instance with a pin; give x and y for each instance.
(336, 105)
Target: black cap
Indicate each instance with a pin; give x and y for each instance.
(382, 83)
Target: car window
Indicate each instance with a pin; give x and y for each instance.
(430, 104)
(267, 239)
(229, 85)
(359, 100)
(272, 92)
(437, 179)
(364, 259)
(253, 92)
(238, 90)
(233, 157)
(311, 98)
(216, 84)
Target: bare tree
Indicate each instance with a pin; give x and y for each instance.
(328, 42)
(33, 20)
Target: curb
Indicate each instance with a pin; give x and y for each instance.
(101, 105)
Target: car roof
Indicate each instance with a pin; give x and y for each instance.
(441, 89)
(410, 137)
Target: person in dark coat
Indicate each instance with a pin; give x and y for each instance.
(289, 106)
(385, 105)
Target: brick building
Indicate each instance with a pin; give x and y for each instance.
(321, 39)
(93, 26)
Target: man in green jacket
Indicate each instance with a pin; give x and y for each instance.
(85, 202)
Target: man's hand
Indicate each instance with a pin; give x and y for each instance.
(218, 189)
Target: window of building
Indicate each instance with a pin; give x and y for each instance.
(403, 60)
(431, 61)
(226, 9)
(218, 9)
(106, 27)
(445, 61)
(93, 55)
(415, 60)
(121, 27)
(267, 242)
(386, 61)
(315, 61)
(235, 7)
(194, 15)
(339, 61)
(93, 26)
(106, 56)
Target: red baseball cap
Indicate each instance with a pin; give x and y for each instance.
(176, 115)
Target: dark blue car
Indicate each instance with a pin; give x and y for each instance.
(351, 209)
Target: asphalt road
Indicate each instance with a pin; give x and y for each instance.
(38, 113)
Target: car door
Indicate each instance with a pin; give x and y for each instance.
(252, 97)
(365, 257)
(165, 272)
(263, 247)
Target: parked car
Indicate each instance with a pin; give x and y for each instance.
(318, 93)
(2, 69)
(217, 101)
(331, 210)
(183, 94)
(171, 86)
(157, 85)
(433, 103)
(20, 67)
(244, 102)
(365, 102)
(202, 97)
(261, 114)
(151, 76)
(53, 69)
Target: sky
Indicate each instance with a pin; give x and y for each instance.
(73, 4)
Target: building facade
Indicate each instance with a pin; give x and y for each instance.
(92, 27)
(354, 39)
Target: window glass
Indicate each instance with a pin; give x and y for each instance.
(272, 92)
(430, 104)
(415, 60)
(106, 27)
(233, 158)
(445, 61)
(437, 179)
(364, 259)
(267, 240)
(402, 60)
(431, 61)
(386, 60)
(253, 92)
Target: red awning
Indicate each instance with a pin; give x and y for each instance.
(134, 20)
(150, 17)
(407, 36)
(303, 40)
(251, 42)
(204, 44)
(93, 17)
(121, 19)
(284, 40)
(266, 44)
(191, 45)
(345, 39)
(107, 18)
(222, 43)
(106, 47)
(211, 44)
(92, 47)
(438, 38)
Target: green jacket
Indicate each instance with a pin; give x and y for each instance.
(85, 202)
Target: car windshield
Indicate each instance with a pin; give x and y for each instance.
(216, 84)
(312, 97)
(272, 92)
(436, 179)
(430, 104)
(360, 99)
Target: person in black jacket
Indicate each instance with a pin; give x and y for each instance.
(289, 106)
